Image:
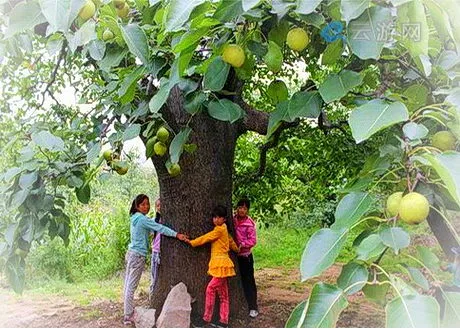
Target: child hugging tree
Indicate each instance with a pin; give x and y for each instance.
(220, 266)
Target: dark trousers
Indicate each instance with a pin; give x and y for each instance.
(246, 265)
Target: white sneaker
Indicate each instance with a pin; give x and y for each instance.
(253, 313)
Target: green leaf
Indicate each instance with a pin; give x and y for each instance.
(398, 3)
(454, 99)
(27, 179)
(225, 110)
(403, 287)
(412, 311)
(15, 272)
(11, 173)
(364, 32)
(10, 233)
(257, 48)
(83, 193)
(190, 148)
(129, 82)
(332, 53)
(370, 247)
(304, 104)
(428, 258)
(338, 85)
(19, 197)
(415, 131)
(376, 292)
(301, 104)
(228, 10)
(190, 39)
(156, 65)
(413, 14)
(314, 19)
(179, 66)
(85, 34)
(113, 57)
(440, 19)
(97, 49)
(281, 7)
(179, 13)
(48, 141)
(137, 42)
(353, 9)
(194, 102)
(23, 17)
(321, 251)
(158, 100)
(325, 304)
(274, 57)
(74, 181)
(446, 166)
(374, 116)
(245, 72)
(60, 14)
(132, 132)
(279, 32)
(216, 75)
(451, 317)
(418, 278)
(395, 237)
(307, 6)
(249, 4)
(351, 208)
(297, 316)
(351, 274)
(177, 144)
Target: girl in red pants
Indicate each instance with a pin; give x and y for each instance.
(220, 266)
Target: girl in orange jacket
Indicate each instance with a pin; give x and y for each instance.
(220, 265)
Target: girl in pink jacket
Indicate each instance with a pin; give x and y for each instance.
(245, 236)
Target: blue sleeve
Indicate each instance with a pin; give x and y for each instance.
(151, 225)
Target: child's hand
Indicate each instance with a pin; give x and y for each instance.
(182, 237)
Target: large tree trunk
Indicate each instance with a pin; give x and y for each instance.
(187, 202)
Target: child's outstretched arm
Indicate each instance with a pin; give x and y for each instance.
(208, 237)
(154, 226)
(233, 246)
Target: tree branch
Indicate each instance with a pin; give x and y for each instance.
(411, 67)
(54, 73)
(273, 142)
(326, 126)
(254, 120)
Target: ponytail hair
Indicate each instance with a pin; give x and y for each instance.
(136, 202)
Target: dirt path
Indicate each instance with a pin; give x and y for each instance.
(279, 292)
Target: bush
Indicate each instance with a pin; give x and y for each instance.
(49, 260)
(302, 178)
(99, 234)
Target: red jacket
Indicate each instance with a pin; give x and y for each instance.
(245, 234)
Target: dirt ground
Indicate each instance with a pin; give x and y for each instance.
(279, 292)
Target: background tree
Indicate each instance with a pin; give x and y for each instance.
(187, 65)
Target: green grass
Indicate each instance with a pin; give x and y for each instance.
(86, 292)
(82, 293)
(280, 247)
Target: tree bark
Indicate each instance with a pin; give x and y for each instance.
(188, 200)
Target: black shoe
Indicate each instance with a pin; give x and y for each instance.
(220, 325)
(200, 323)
